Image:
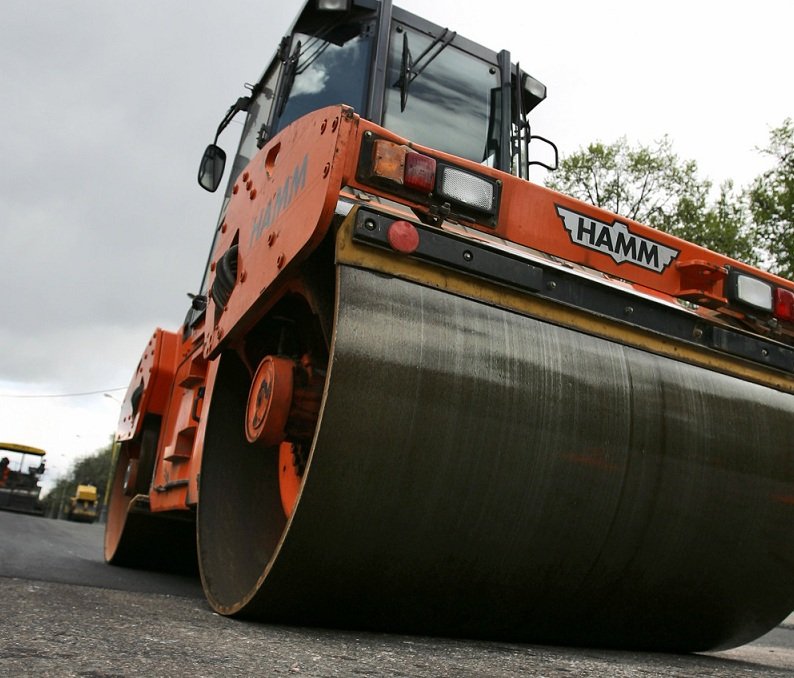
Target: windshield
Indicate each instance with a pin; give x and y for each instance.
(450, 105)
(331, 68)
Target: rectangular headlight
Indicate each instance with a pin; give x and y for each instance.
(465, 188)
(749, 291)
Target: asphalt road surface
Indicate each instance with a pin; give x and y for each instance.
(63, 612)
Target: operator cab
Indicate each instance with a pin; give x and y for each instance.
(417, 79)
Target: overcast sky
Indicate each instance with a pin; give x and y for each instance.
(107, 107)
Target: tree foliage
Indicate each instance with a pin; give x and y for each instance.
(652, 185)
(92, 470)
(725, 227)
(771, 198)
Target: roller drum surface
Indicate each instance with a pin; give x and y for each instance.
(476, 472)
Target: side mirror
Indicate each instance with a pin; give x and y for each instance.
(211, 168)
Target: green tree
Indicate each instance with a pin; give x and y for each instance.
(654, 186)
(771, 198)
(725, 227)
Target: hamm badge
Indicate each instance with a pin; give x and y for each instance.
(616, 241)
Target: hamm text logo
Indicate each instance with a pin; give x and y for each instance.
(616, 241)
(282, 199)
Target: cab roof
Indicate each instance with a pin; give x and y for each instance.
(22, 449)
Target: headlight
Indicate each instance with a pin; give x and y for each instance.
(750, 291)
(466, 188)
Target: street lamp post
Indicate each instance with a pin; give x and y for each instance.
(113, 457)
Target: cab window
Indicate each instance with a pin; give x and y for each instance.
(450, 101)
(326, 68)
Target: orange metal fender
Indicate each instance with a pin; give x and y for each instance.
(192, 493)
(176, 453)
(150, 387)
(280, 210)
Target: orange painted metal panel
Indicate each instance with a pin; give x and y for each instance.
(563, 227)
(176, 459)
(150, 387)
(280, 209)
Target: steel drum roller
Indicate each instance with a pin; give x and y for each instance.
(480, 473)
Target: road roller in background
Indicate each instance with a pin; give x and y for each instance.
(21, 468)
(419, 393)
(84, 505)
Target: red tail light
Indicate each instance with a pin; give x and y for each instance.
(420, 172)
(784, 305)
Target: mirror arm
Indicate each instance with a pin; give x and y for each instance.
(241, 104)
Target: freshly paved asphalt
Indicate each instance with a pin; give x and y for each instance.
(63, 612)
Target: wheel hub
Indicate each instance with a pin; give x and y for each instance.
(269, 401)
